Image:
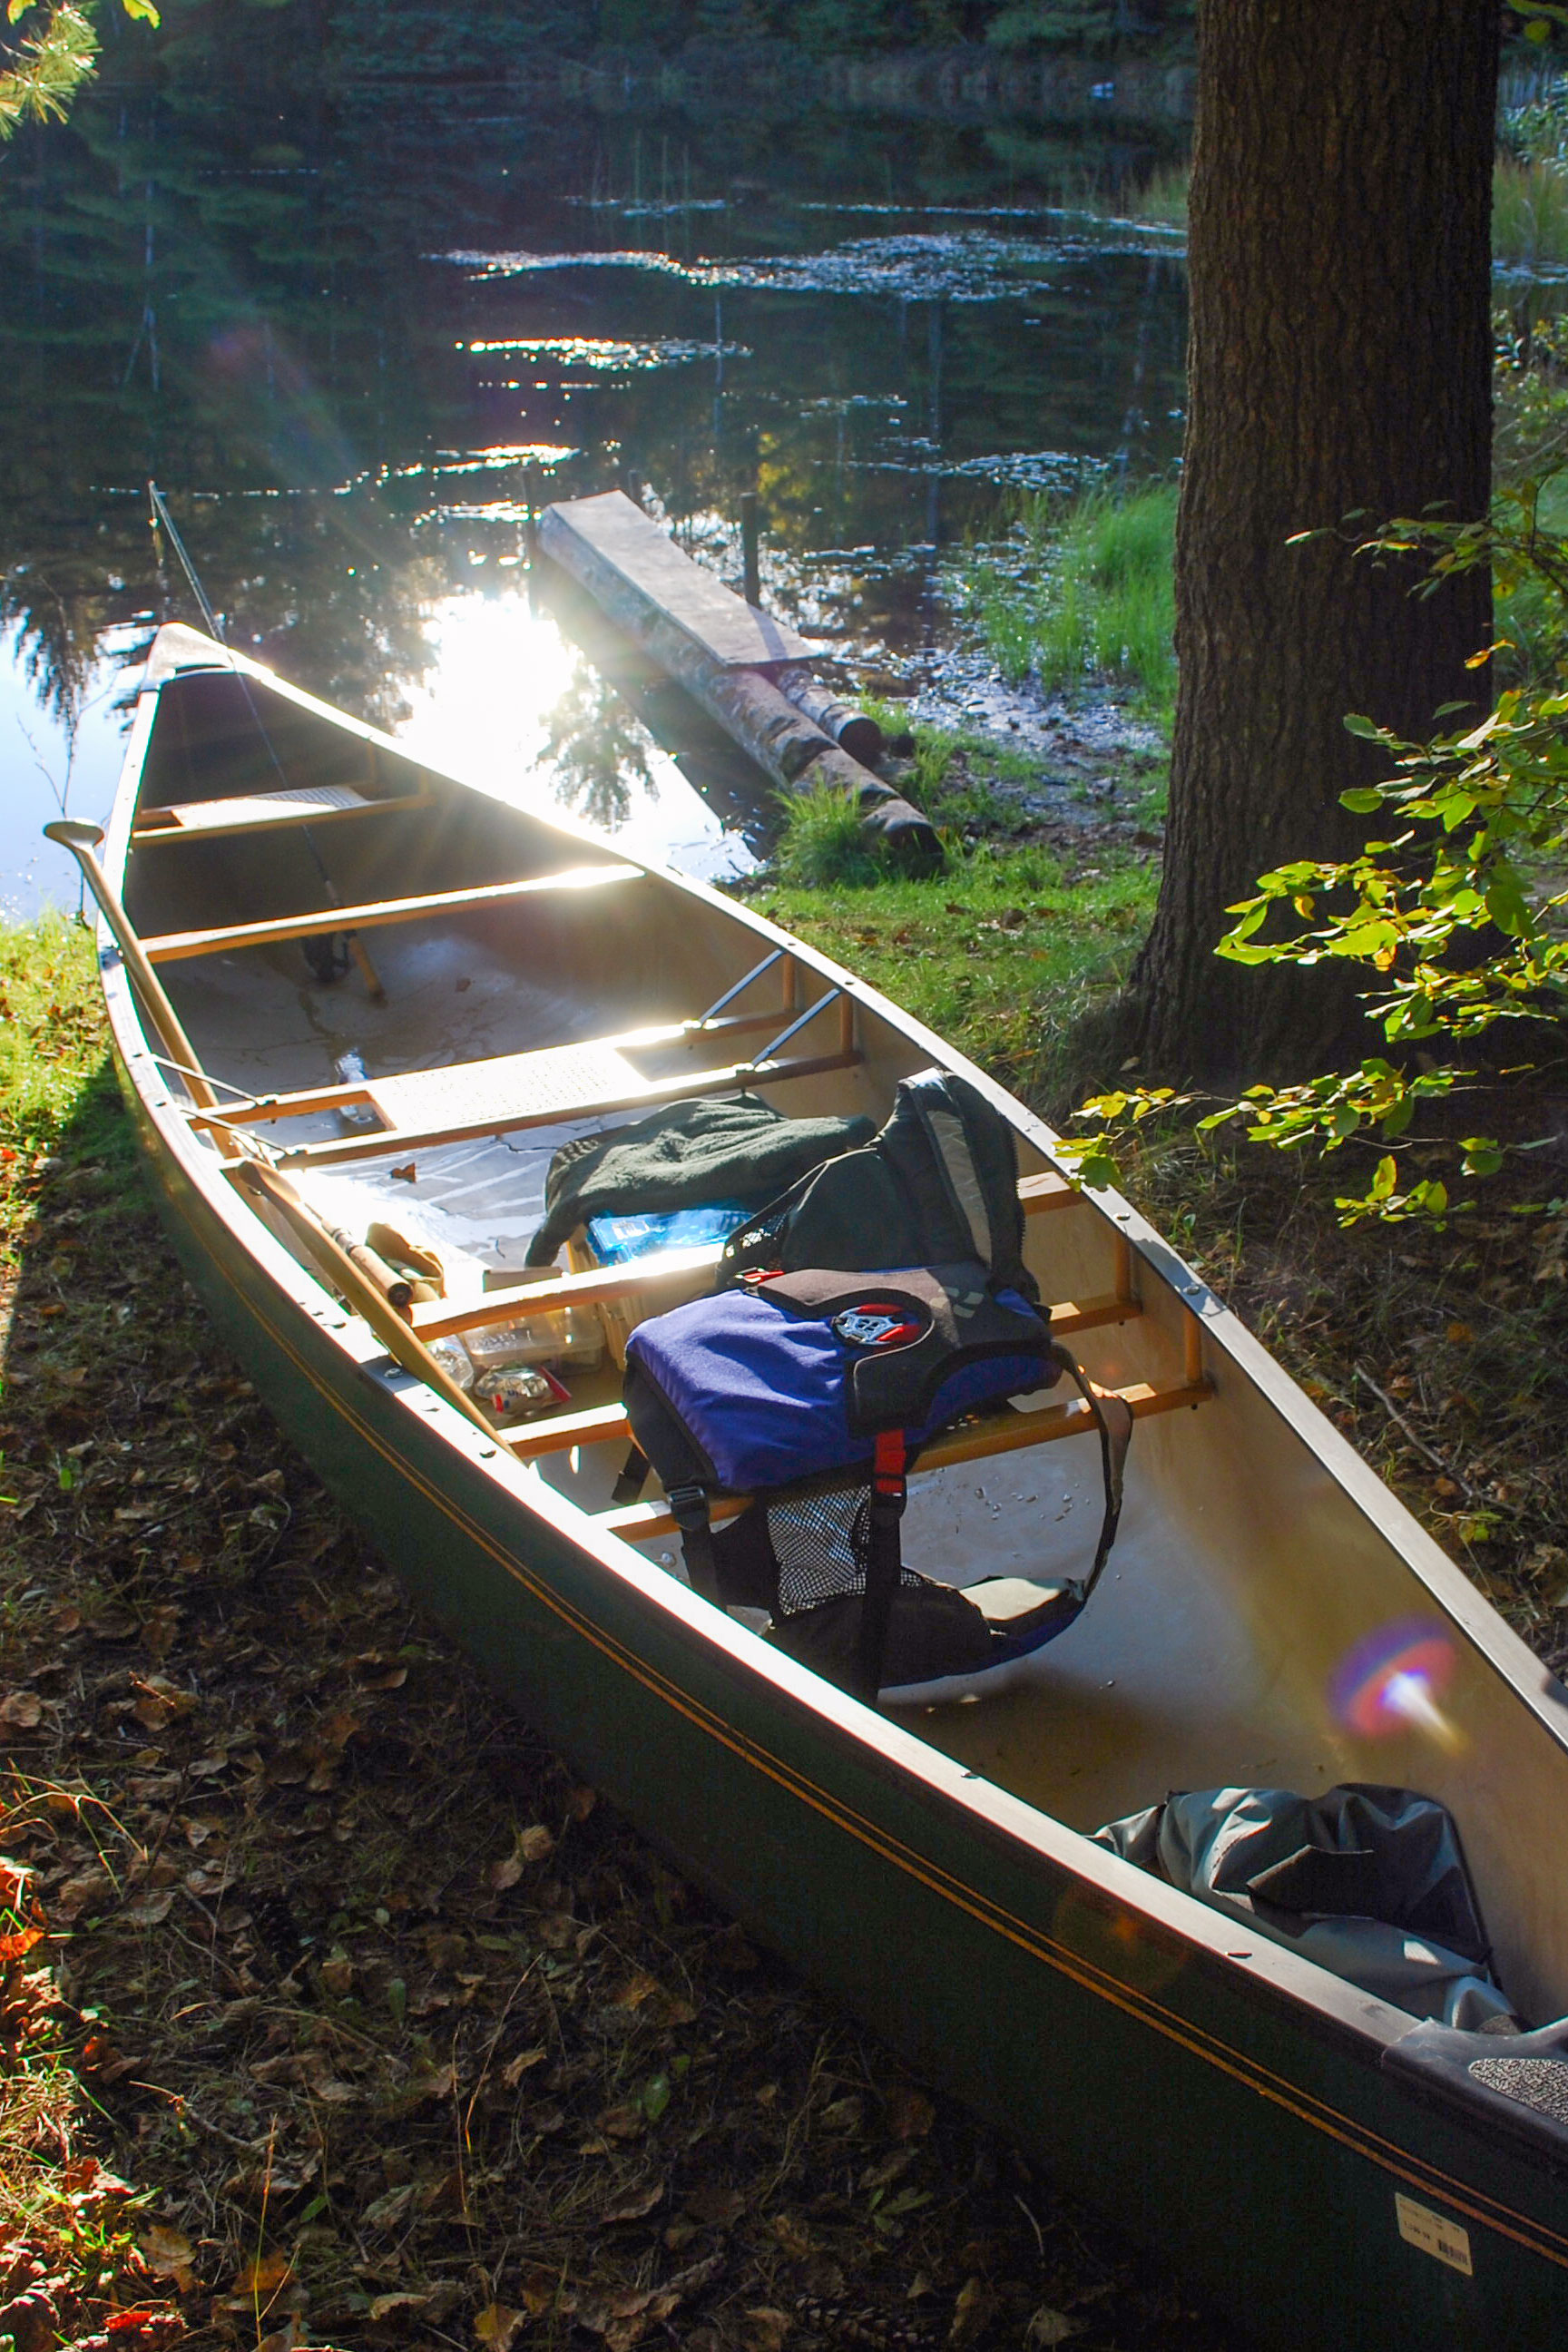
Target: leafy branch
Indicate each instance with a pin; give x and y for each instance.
(52, 62)
(1458, 917)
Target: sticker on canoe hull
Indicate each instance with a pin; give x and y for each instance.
(1434, 2234)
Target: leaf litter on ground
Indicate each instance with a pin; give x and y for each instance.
(401, 2036)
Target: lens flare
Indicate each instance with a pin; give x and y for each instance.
(1392, 1681)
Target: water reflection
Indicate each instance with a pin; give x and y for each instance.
(217, 277)
(600, 753)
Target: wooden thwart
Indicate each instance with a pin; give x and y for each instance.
(687, 1270)
(304, 804)
(1005, 1433)
(173, 947)
(1001, 1434)
(648, 1094)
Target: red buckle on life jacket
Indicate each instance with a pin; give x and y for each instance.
(889, 1460)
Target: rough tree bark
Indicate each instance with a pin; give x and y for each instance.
(1339, 360)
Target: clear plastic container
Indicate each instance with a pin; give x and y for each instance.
(454, 1359)
(570, 1335)
(518, 1393)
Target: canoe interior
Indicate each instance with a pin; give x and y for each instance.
(1248, 1567)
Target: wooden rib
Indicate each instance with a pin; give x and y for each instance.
(678, 1088)
(554, 1291)
(1192, 1347)
(549, 1291)
(593, 1426)
(636, 1521)
(173, 946)
(163, 823)
(1046, 1191)
(263, 1108)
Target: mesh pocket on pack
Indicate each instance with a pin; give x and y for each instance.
(821, 1540)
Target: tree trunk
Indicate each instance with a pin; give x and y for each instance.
(1340, 363)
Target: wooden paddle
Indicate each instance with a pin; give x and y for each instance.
(401, 1342)
(82, 841)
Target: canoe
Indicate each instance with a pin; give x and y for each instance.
(1322, 2167)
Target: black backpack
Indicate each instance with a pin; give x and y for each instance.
(937, 1185)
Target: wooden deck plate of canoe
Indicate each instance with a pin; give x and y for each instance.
(1325, 2168)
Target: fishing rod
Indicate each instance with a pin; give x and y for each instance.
(162, 520)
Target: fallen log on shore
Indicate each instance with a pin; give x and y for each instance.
(734, 659)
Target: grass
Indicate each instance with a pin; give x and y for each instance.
(823, 846)
(1530, 208)
(1002, 954)
(1529, 212)
(1084, 599)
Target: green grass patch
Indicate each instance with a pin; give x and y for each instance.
(1001, 955)
(1085, 597)
(1164, 197)
(1529, 212)
(823, 846)
(56, 1094)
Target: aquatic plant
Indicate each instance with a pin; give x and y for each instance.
(1085, 597)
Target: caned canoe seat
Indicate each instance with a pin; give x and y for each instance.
(298, 804)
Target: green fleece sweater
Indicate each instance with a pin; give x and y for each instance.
(688, 1153)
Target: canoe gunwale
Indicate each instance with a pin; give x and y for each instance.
(1013, 1835)
(1545, 1697)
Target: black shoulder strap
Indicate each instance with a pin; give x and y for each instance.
(1113, 1420)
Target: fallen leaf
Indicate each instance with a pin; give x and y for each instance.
(21, 1710)
(497, 2326)
(1460, 1334)
(910, 2114)
(971, 2308)
(263, 2274)
(1050, 2326)
(384, 2210)
(516, 2068)
(168, 2253)
(792, 2237)
(387, 2306)
(541, 2288)
(635, 2204)
(535, 1844)
(766, 2328)
(844, 2114)
(150, 1909)
(625, 2122)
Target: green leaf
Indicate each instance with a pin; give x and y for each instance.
(655, 2096)
(1356, 725)
(142, 11)
(1363, 802)
(1505, 903)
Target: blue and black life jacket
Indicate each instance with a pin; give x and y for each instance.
(811, 1389)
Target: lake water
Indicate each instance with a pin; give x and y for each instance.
(356, 327)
